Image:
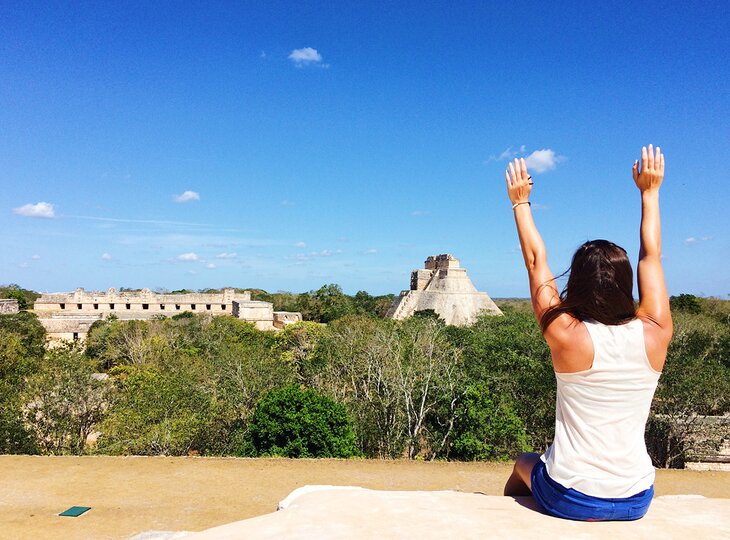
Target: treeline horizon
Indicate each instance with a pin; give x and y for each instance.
(327, 303)
(358, 386)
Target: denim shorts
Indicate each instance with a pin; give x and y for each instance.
(568, 503)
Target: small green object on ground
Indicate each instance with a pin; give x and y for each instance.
(74, 511)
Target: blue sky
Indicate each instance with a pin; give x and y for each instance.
(286, 145)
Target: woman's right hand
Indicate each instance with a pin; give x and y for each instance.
(650, 175)
(519, 182)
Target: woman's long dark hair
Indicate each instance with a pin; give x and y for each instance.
(599, 286)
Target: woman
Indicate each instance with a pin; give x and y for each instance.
(607, 356)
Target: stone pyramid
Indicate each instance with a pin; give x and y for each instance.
(445, 288)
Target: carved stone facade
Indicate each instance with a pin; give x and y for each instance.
(443, 286)
(8, 306)
(68, 316)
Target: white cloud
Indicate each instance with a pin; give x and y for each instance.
(305, 56)
(508, 153)
(371, 251)
(538, 161)
(542, 160)
(210, 265)
(188, 257)
(300, 244)
(694, 240)
(286, 202)
(35, 257)
(38, 210)
(226, 256)
(106, 257)
(186, 196)
(419, 213)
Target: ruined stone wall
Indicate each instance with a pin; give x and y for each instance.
(441, 262)
(285, 318)
(259, 313)
(8, 306)
(710, 444)
(143, 304)
(68, 316)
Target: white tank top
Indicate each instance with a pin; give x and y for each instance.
(601, 414)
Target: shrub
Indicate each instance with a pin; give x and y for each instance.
(688, 303)
(292, 422)
(486, 428)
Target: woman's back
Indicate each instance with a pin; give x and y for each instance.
(601, 412)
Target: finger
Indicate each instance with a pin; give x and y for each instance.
(523, 167)
(506, 175)
(650, 155)
(512, 172)
(656, 157)
(635, 170)
(518, 173)
(661, 162)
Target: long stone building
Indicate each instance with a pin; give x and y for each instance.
(443, 286)
(68, 316)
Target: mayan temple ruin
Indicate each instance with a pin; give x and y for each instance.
(445, 288)
(68, 316)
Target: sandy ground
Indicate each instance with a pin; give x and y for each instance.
(134, 494)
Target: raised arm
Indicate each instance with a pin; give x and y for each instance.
(542, 282)
(653, 297)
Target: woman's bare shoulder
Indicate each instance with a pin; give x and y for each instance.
(570, 344)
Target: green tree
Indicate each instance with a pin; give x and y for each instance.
(64, 402)
(392, 376)
(245, 363)
(374, 306)
(29, 331)
(687, 303)
(24, 297)
(486, 428)
(22, 340)
(297, 345)
(429, 374)
(116, 342)
(158, 411)
(293, 422)
(332, 302)
(511, 358)
(359, 359)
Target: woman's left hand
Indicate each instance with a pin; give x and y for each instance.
(519, 182)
